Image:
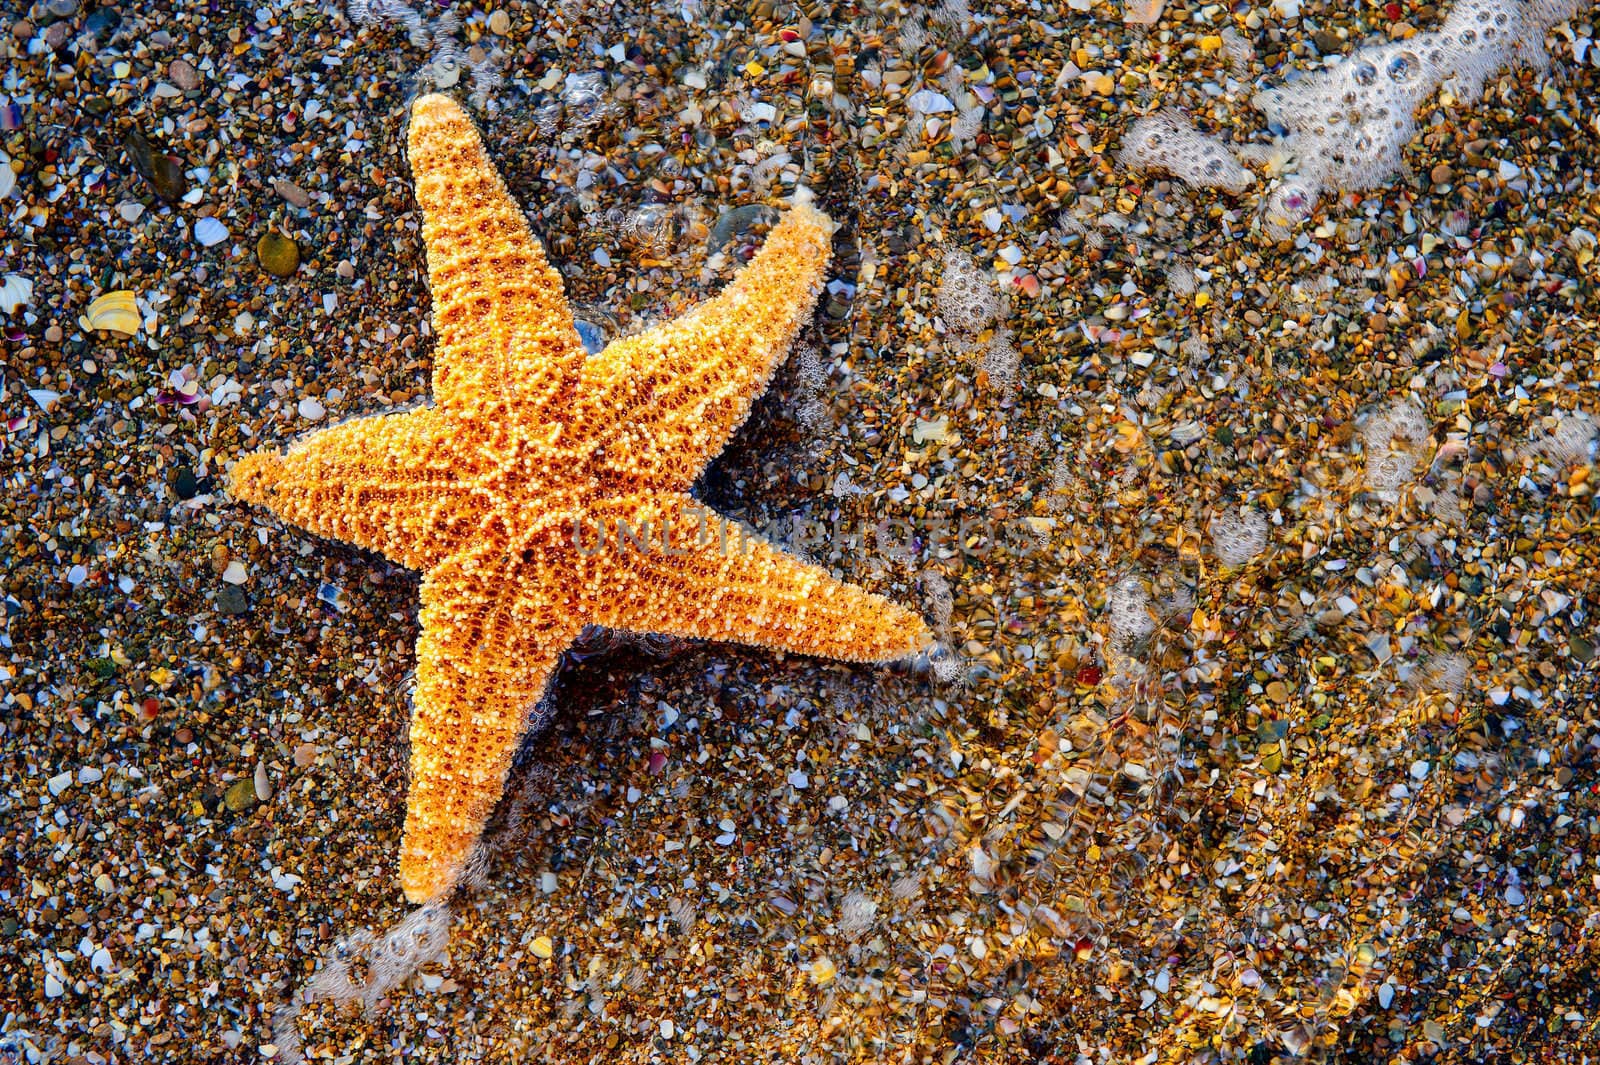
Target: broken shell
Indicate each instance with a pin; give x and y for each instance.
(15, 292)
(114, 312)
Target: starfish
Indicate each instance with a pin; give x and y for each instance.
(531, 451)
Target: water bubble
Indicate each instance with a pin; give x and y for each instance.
(1468, 38)
(1403, 67)
(1501, 19)
(1364, 73)
(593, 337)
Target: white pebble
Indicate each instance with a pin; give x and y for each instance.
(209, 231)
(60, 782)
(799, 781)
(311, 410)
(235, 573)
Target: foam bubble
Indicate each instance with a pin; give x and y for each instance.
(1348, 123)
(1167, 142)
(1393, 440)
(967, 298)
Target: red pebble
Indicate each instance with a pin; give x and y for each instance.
(1089, 676)
(149, 709)
(1393, 11)
(1082, 949)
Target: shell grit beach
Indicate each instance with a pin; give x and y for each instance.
(799, 532)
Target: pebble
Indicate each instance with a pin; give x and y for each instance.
(232, 600)
(292, 193)
(163, 173)
(235, 573)
(278, 255)
(240, 796)
(183, 74)
(311, 409)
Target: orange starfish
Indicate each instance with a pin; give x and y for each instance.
(527, 443)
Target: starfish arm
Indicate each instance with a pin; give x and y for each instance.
(679, 569)
(382, 483)
(679, 390)
(483, 660)
(505, 330)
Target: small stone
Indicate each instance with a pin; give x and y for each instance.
(183, 74)
(232, 601)
(310, 409)
(542, 947)
(278, 255)
(240, 796)
(292, 194)
(60, 782)
(1442, 174)
(161, 171)
(52, 335)
(184, 484)
(263, 785)
(499, 23)
(236, 573)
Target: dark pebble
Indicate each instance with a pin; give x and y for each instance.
(184, 484)
(160, 170)
(231, 600)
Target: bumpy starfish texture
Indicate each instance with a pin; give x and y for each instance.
(499, 491)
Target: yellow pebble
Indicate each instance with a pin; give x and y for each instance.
(542, 947)
(1210, 43)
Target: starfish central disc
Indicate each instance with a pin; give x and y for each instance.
(526, 442)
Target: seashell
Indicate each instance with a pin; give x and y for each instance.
(209, 231)
(15, 292)
(114, 312)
